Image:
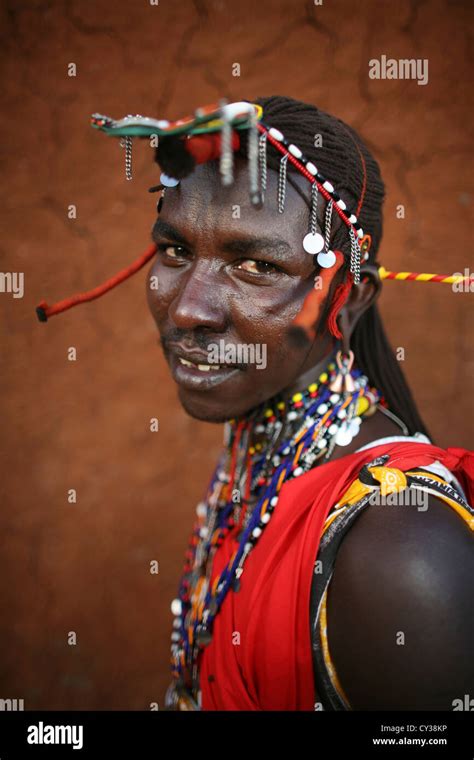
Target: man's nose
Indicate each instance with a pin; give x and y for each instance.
(200, 300)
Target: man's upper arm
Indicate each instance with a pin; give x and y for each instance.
(400, 612)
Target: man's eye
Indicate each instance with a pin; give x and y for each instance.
(254, 266)
(172, 251)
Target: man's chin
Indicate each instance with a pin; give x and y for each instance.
(203, 411)
(207, 411)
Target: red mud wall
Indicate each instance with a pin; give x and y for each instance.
(84, 567)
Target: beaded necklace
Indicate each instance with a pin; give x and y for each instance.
(278, 441)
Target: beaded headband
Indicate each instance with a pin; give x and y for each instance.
(245, 115)
(213, 132)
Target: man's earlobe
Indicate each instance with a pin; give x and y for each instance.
(345, 329)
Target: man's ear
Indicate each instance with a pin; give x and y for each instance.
(361, 297)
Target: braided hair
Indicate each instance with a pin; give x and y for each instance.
(350, 166)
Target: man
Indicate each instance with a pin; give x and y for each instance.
(329, 567)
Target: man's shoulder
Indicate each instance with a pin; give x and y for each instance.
(406, 536)
(400, 605)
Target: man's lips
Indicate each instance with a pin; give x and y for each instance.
(191, 368)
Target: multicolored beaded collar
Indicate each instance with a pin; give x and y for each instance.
(262, 452)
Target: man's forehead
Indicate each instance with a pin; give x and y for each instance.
(202, 200)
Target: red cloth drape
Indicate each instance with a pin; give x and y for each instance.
(260, 654)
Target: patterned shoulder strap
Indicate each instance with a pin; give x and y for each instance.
(374, 484)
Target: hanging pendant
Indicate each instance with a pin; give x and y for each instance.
(168, 181)
(327, 224)
(354, 426)
(226, 162)
(282, 183)
(343, 435)
(252, 150)
(262, 163)
(126, 142)
(313, 242)
(355, 257)
(343, 382)
(326, 259)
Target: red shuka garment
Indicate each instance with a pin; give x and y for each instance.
(260, 655)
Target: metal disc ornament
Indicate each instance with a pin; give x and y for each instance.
(344, 436)
(326, 260)
(313, 242)
(168, 181)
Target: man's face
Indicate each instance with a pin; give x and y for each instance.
(232, 277)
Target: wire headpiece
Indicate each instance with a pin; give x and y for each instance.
(214, 132)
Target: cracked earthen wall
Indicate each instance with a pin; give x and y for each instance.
(84, 567)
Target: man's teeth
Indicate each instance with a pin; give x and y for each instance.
(202, 367)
